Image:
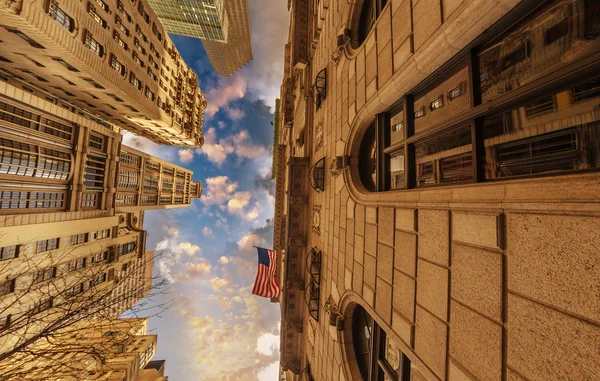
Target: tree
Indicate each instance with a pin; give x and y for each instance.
(58, 311)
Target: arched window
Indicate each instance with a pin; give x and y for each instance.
(127, 248)
(369, 12)
(378, 356)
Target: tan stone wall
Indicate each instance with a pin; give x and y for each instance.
(489, 281)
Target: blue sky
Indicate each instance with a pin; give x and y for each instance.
(216, 329)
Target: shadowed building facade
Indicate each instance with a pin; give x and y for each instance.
(222, 25)
(112, 58)
(437, 193)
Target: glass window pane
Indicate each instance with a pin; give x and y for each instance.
(397, 170)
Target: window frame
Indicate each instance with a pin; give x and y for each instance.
(377, 366)
(43, 245)
(12, 250)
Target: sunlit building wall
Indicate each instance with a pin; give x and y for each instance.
(112, 58)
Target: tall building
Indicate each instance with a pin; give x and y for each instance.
(72, 203)
(222, 25)
(112, 58)
(438, 167)
(104, 349)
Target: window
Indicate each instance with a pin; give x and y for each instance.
(41, 306)
(4, 322)
(126, 199)
(137, 59)
(121, 26)
(101, 234)
(110, 334)
(129, 159)
(151, 166)
(94, 171)
(116, 98)
(34, 75)
(90, 200)
(77, 264)
(117, 38)
(143, 12)
(587, 90)
(7, 287)
(136, 44)
(99, 257)
(93, 83)
(119, 348)
(47, 245)
(446, 158)
(44, 275)
(9, 252)
(149, 199)
(556, 32)
(149, 94)
(65, 64)
(22, 159)
(98, 279)
(78, 239)
(541, 106)
(103, 5)
(36, 63)
(121, 9)
(92, 12)
(93, 45)
(75, 290)
(369, 12)
(116, 65)
(128, 179)
(135, 81)
(127, 248)
(378, 356)
(61, 16)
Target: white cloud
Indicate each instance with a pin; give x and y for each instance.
(189, 248)
(192, 271)
(267, 344)
(186, 155)
(224, 260)
(218, 284)
(216, 152)
(218, 190)
(222, 192)
(228, 89)
(208, 232)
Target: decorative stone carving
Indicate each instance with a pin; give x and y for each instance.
(316, 221)
(318, 136)
(293, 325)
(291, 285)
(343, 39)
(338, 165)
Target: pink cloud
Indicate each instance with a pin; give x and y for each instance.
(228, 89)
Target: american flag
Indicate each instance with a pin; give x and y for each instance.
(265, 284)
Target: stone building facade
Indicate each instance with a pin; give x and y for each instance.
(72, 203)
(438, 168)
(111, 58)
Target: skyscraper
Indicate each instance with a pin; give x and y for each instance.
(222, 25)
(72, 202)
(112, 58)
